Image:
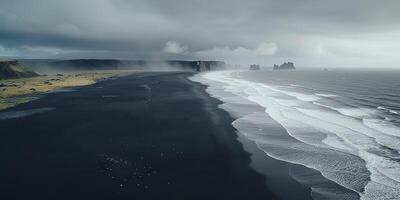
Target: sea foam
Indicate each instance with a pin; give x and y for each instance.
(351, 146)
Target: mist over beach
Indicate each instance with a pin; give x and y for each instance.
(190, 99)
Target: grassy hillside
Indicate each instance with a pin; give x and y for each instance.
(13, 69)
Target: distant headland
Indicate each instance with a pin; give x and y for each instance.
(13, 69)
(114, 64)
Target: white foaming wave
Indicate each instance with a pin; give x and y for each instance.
(236, 99)
(367, 116)
(343, 133)
(354, 141)
(325, 95)
(337, 124)
(383, 126)
(356, 112)
(382, 166)
(351, 112)
(382, 184)
(263, 89)
(298, 130)
(302, 133)
(394, 112)
(345, 168)
(287, 103)
(303, 97)
(388, 110)
(297, 95)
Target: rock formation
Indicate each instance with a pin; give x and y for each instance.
(254, 67)
(285, 66)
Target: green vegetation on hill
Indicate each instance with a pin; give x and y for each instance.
(13, 69)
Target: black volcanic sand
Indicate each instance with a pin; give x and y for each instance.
(143, 136)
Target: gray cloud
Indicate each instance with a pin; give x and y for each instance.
(174, 47)
(325, 32)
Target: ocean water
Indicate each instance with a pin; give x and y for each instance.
(344, 124)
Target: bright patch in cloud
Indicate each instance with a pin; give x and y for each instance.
(174, 47)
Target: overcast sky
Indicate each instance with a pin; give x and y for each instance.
(328, 33)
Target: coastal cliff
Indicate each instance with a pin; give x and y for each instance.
(13, 69)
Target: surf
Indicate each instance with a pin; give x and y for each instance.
(351, 146)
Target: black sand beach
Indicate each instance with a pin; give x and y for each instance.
(143, 136)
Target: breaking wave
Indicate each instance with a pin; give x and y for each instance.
(355, 147)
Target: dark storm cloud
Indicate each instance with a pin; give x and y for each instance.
(311, 32)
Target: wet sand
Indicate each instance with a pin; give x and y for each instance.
(143, 136)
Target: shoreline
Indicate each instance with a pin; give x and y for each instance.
(143, 136)
(301, 179)
(304, 181)
(276, 172)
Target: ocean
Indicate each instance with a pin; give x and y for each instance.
(343, 124)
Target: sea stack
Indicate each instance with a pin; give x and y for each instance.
(254, 67)
(285, 66)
